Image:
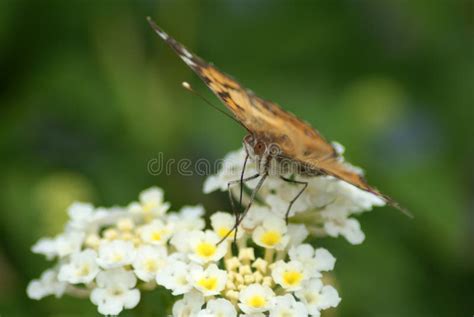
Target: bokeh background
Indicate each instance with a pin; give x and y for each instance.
(89, 94)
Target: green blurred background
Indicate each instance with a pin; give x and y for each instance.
(89, 94)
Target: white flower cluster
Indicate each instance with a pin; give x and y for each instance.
(111, 255)
(327, 206)
(271, 273)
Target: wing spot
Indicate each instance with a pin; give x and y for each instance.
(226, 85)
(224, 95)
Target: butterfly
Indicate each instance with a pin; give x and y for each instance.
(276, 137)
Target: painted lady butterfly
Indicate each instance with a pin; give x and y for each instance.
(275, 136)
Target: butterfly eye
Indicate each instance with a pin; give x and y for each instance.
(259, 148)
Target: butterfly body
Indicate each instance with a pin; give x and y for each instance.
(269, 159)
(278, 141)
(263, 154)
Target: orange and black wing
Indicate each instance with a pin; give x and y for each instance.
(296, 139)
(336, 168)
(260, 117)
(223, 86)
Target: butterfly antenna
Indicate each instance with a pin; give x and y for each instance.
(188, 87)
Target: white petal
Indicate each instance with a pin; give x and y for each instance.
(97, 295)
(297, 234)
(330, 297)
(213, 183)
(352, 232)
(325, 260)
(131, 299)
(111, 306)
(153, 194)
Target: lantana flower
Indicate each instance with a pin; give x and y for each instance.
(151, 204)
(204, 246)
(47, 284)
(209, 281)
(115, 291)
(317, 296)
(112, 255)
(223, 224)
(148, 261)
(115, 253)
(289, 275)
(81, 268)
(256, 298)
(175, 276)
(219, 308)
(327, 205)
(314, 261)
(104, 252)
(287, 306)
(271, 234)
(155, 232)
(189, 305)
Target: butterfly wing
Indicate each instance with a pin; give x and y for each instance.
(296, 139)
(259, 116)
(229, 91)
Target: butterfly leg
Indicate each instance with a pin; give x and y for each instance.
(242, 179)
(238, 220)
(305, 185)
(231, 198)
(252, 199)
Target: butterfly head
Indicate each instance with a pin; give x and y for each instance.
(260, 150)
(255, 148)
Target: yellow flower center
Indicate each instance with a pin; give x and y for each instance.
(117, 257)
(156, 236)
(110, 234)
(116, 291)
(311, 297)
(223, 231)
(84, 270)
(209, 283)
(150, 265)
(148, 207)
(182, 280)
(288, 313)
(206, 249)
(271, 238)
(125, 224)
(292, 278)
(257, 301)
